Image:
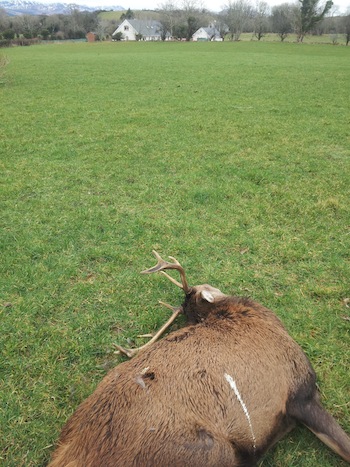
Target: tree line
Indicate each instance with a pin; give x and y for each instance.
(301, 17)
(238, 16)
(72, 25)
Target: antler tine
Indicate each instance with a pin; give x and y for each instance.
(162, 264)
(131, 352)
(174, 281)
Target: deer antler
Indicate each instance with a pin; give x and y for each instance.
(131, 352)
(161, 265)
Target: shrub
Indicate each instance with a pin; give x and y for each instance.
(5, 43)
(118, 36)
(8, 34)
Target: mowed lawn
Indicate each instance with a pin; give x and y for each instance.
(232, 157)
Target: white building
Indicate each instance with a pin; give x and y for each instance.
(207, 34)
(134, 29)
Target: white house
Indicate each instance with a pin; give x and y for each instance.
(207, 34)
(134, 29)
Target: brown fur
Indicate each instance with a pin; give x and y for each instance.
(172, 406)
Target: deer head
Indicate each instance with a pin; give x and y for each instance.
(200, 292)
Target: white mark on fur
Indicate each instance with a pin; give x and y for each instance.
(233, 386)
(139, 380)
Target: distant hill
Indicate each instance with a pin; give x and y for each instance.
(20, 7)
(139, 14)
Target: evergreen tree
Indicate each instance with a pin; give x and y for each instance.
(310, 15)
(128, 15)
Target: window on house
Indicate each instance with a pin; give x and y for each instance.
(126, 28)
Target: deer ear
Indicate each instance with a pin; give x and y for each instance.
(207, 296)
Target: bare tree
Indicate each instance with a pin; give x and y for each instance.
(182, 21)
(169, 16)
(29, 25)
(346, 26)
(102, 28)
(194, 13)
(261, 19)
(191, 6)
(4, 20)
(236, 14)
(221, 25)
(281, 20)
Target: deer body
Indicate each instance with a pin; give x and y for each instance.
(218, 392)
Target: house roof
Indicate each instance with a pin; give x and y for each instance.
(211, 32)
(146, 28)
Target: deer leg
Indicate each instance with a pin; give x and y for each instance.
(132, 352)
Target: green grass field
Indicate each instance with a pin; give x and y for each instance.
(232, 157)
(139, 14)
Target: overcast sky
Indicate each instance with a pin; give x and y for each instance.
(213, 5)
